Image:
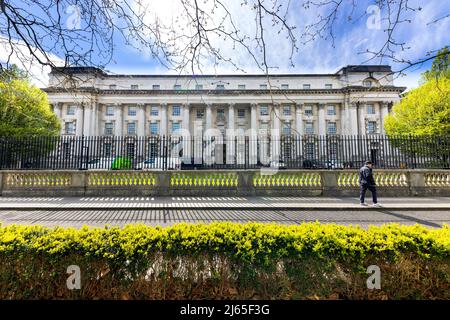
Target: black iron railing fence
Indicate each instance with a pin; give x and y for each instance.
(241, 152)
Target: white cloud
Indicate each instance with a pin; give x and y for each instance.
(16, 52)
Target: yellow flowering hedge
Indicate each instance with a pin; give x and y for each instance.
(224, 260)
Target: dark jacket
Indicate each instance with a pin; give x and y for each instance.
(366, 176)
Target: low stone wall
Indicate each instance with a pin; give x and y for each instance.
(220, 183)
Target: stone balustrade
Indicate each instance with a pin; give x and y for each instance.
(220, 183)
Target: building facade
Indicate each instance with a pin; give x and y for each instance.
(352, 101)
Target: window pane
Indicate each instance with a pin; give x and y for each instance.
(131, 111)
(331, 111)
(176, 111)
(154, 128)
(264, 110)
(156, 87)
(241, 113)
(131, 128)
(154, 111)
(306, 86)
(287, 110)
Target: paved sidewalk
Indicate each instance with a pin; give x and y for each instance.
(235, 203)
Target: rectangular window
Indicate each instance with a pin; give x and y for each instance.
(220, 86)
(284, 86)
(370, 109)
(371, 127)
(131, 128)
(328, 86)
(177, 87)
(132, 111)
(241, 86)
(331, 111)
(241, 113)
(263, 86)
(154, 128)
(71, 110)
(307, 86)
(309, 128)
(109, 110)
(109, 128)
(287, 129)
(286, 110)
(156, 87)
(200, 114)
(176, 111)
(134, 87)
(69, 128)
(331, 128)
(154, 111)
(175, 126)
(112, 87)
(308, 110)
(220, 113)
(264, 110)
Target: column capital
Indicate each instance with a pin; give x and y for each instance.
(164, 104)
(231, 105)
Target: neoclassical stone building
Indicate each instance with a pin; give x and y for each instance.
(352, 101)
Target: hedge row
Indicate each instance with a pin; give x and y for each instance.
(225, 260)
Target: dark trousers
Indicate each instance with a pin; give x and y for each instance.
(363, 190)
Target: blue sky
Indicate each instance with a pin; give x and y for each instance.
(319, 56)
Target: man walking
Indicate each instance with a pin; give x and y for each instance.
(366, 181)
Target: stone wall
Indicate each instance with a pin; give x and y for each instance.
(220, 183)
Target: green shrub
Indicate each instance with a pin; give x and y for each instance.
(225, 260)
(121, 163)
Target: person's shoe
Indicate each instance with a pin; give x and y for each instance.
(376, 205)
(362, 204)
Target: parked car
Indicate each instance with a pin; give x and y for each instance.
(312, 164)
(277, 164)
(157, 163)
(99, 164)
(334, 164)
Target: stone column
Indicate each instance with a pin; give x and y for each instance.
(298, 129)
(298, 119)
(58, 112)
(384, 111)
(163, 121)
(230, 136)
(185, 124)
(353, 119)
(118, 110)
(361, 119)
(275, 134)
(253, 138)
(94, 119)
(208, 123)
(321, 120)
(79, 123)
(141, 120)
(87, 119)
(187, 142)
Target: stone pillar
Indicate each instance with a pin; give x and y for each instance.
(275, 134)
(384, 111)
(361, 119)
(353, 119)
(94, 119)
(163, 122)
(208, 124)
(87, 118)
(298, 119)
(253, 138)
(141, 120)
(298, 129)
(321, 120)
(58, 110)
(187, 137)
(79, 123)
(119, 119)
(230, 136)
(185, 124)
